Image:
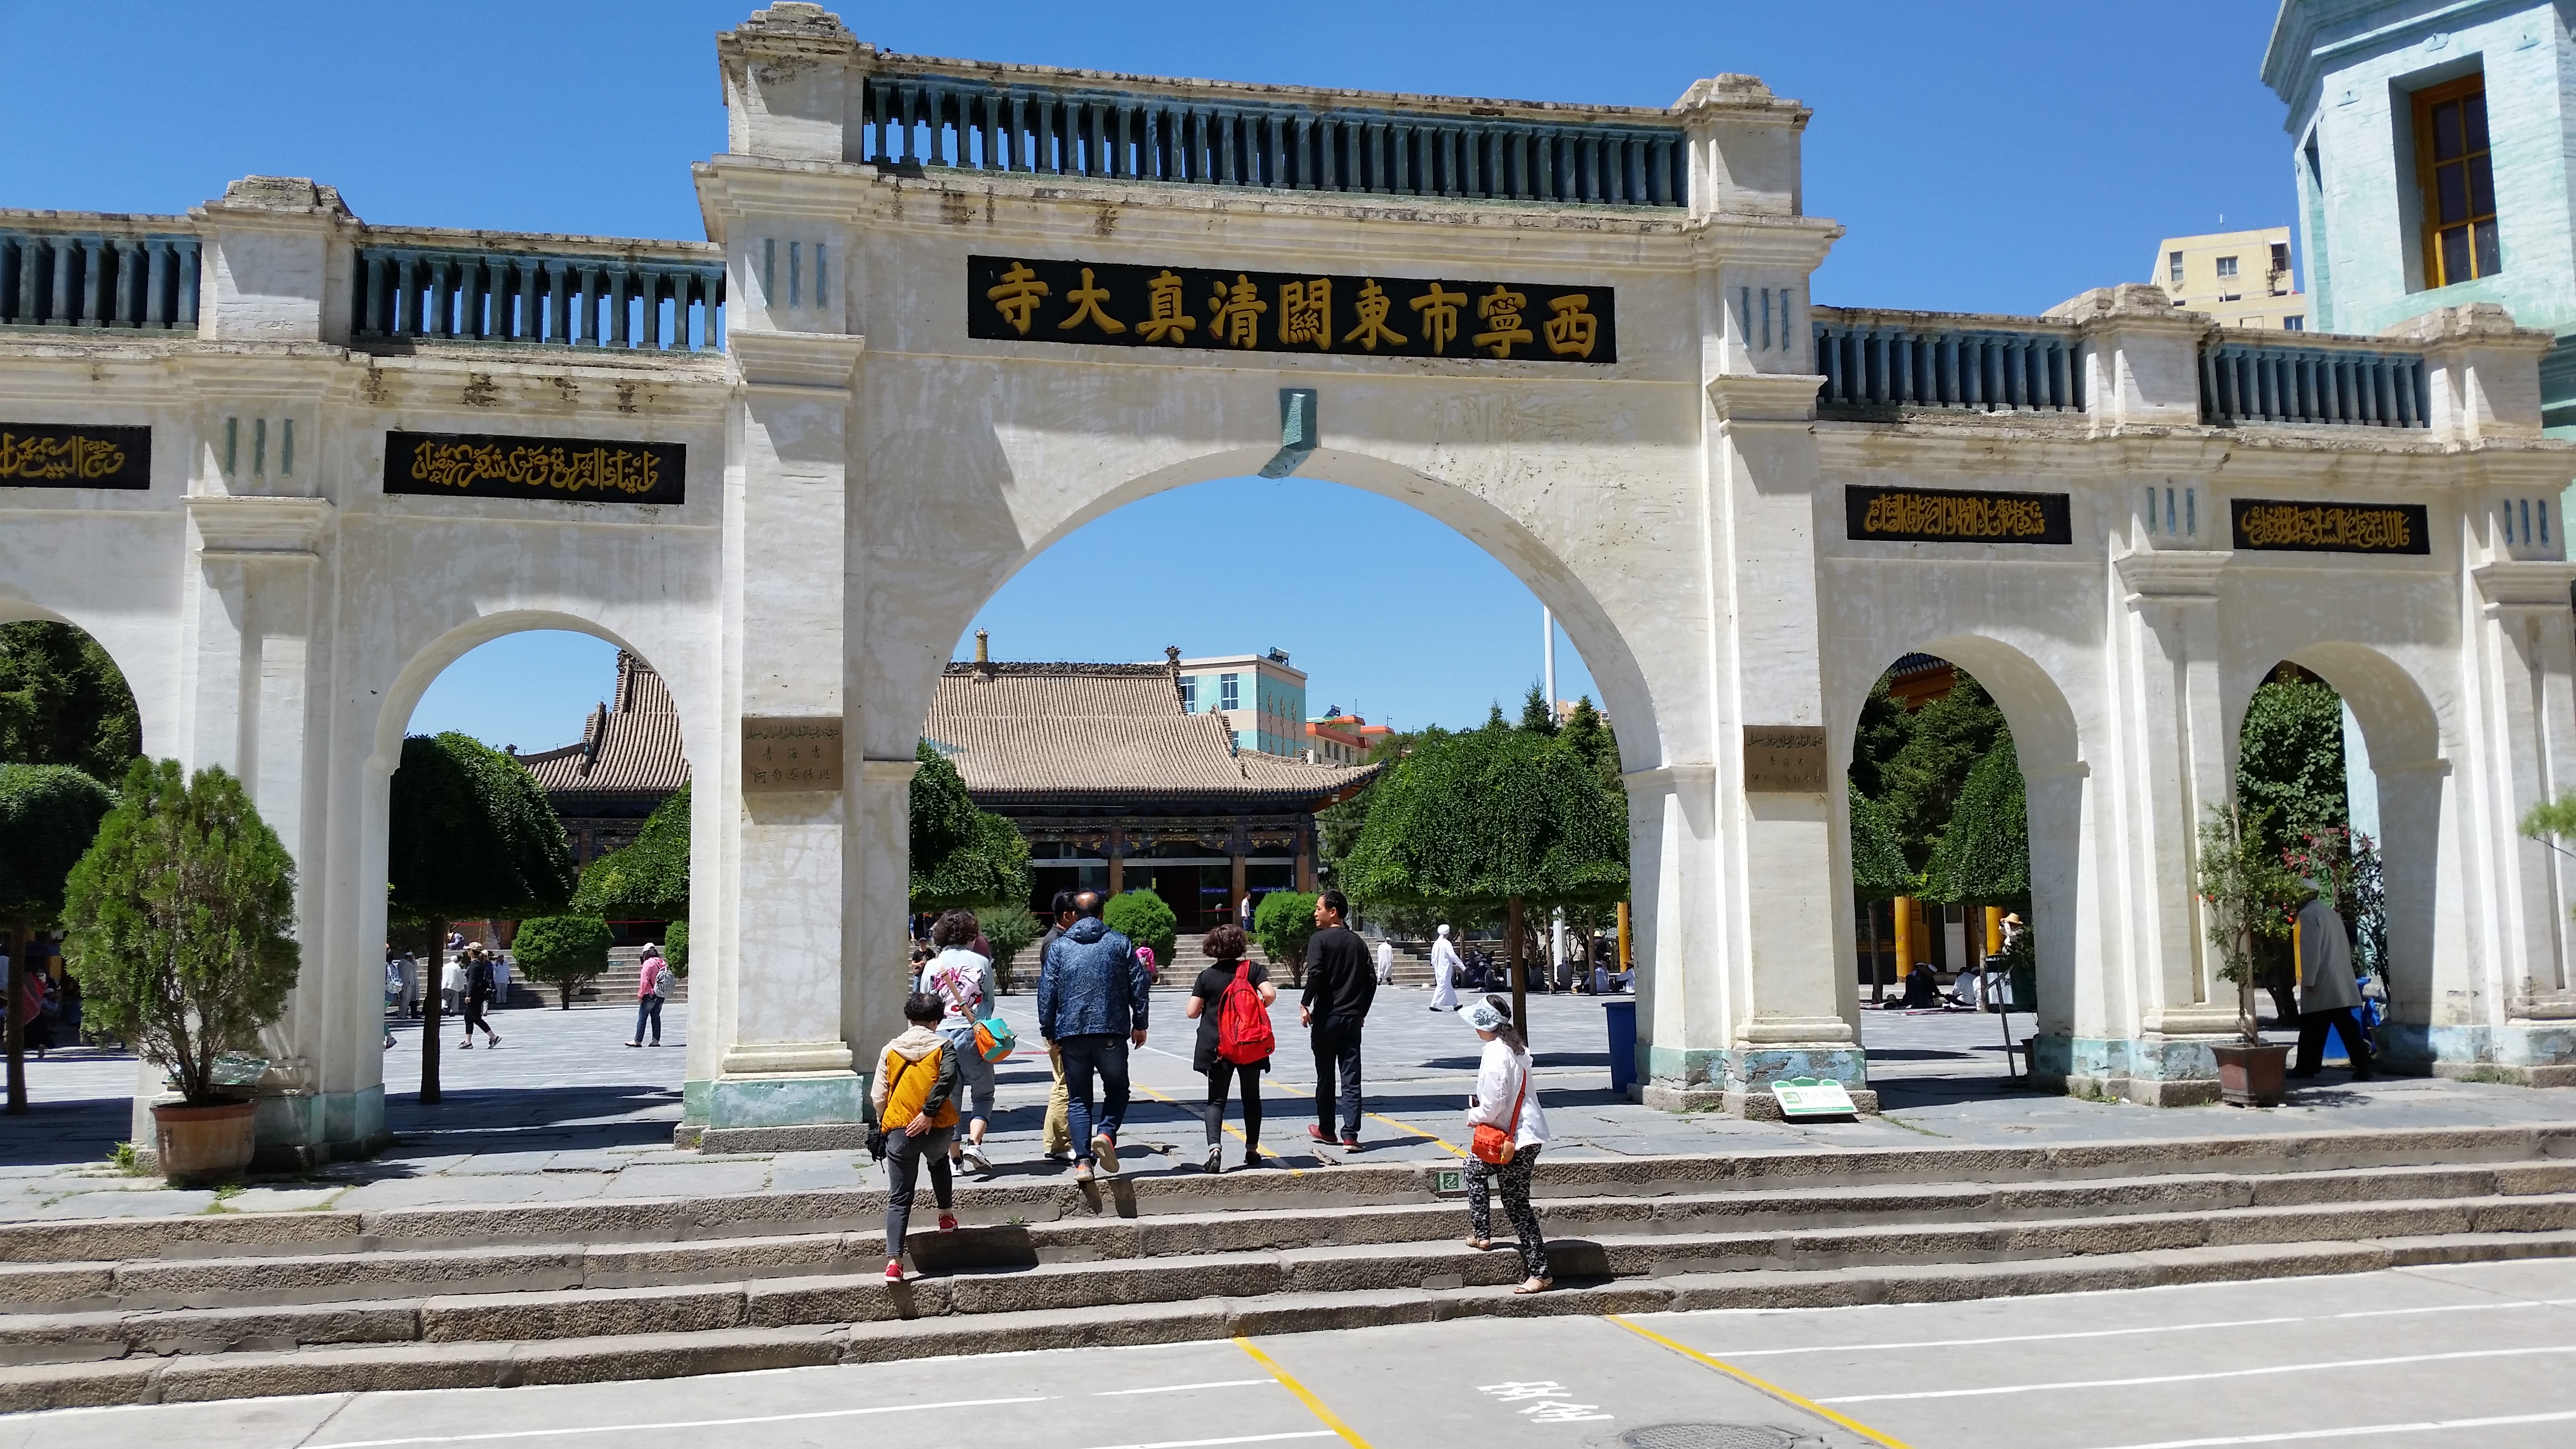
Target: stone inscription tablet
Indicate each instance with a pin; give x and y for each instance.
(1938, 515)
(559, 470)
(2267, 525)
(790, 752)
(1111, 304)
(62, 455)
(1784, 759)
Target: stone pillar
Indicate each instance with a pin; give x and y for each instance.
(2141, 355)
(1117, 858)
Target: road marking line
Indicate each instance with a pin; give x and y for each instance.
(1314, 1405)
(1795, 1401)
(1451, 1148)
(1246, 1439)
(1231, 1129)
(2416, 1428)
(486, 1438)
(2015, 1338)
(2287, 1368)
(2460, 1308)
(1177, 1388)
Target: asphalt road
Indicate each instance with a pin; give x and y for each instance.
(2475, 1356)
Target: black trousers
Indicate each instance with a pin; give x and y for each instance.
(2312, 1040)
(1219, 1078)
(474, 1017)
(1337, 1073)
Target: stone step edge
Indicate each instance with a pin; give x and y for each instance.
(646, 1219)
(473, 1310)
(681, 1355)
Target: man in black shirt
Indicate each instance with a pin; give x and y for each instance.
(1341, 981)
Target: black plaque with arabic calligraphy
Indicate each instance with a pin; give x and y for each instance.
(2272, 524)
(558, 470)
(1112, 304)
(58, 455)
(1943, 515)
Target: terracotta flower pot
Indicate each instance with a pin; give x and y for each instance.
(200, 1145)
(2252, 1076)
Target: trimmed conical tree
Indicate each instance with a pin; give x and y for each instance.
(962, 858)
(1983, 856)
(472, 837)
(647, 880)
(48, 816)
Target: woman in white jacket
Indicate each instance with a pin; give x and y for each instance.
(1506, 1098)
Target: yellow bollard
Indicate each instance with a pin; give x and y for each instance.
(1994, 930)
(1904, 913)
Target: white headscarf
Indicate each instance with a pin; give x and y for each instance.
(1444, 930)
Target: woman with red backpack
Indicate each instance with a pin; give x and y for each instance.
(1231, 1003)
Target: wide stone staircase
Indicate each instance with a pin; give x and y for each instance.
(129, 1310)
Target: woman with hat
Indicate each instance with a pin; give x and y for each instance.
(1507, 1100)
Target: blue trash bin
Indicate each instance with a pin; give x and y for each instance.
(1622, 1019)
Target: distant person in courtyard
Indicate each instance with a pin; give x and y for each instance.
(962, 978)
(1340, 985)
(1506, 1100)
(1231, 1003)
(1092, 1003)
(1153, 968)
(652, 988)
(2329, 997)
(481, 982)
(915, 1097)
(1385, 962)
(1445, 971)
(451, 981)
(1058, 1132)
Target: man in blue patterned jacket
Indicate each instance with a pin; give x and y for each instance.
(1092, 998)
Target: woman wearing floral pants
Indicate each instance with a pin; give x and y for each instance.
(1505, 1099)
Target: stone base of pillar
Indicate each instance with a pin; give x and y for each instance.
(785, 1100)
(2156, 1071)
(1764, 1107)
(1737, 1080)
(2519, 1053)
(298, 1131)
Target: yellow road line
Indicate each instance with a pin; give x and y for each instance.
(1314, 1405)
(1797, 1401)
(1231, 1129)
(1453, 1149)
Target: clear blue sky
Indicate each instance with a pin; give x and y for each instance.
(1984, 157)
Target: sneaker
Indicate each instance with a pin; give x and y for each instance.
(466, 1045)
(948, 1222)
(1252, 1158)
(894, 1270)
(1351, 1141)
(635, 1043)
(1316, 1134)
(1082, 1172)
(1215, 1158)
(974, 1152)
(493, 1042)
(1104, 1149)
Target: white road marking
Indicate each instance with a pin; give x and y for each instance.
(494, 1436)
(2014, 1338)
(1179, 1388)
(2459, 1308)
(1246, 1439)
(2287, 1368)
(2425, 1426)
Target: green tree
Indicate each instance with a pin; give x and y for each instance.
(48, 816)
(1983, 855)
(564, 951)
(471, 837)
(180, 918)
(1922, 780)
(1538, 713)
(962, 857)
(1877, 853)
(1009, 929)
(675, 949)
(1142, 917)
(64, 702)
(1338, 826)
(1493, 818)
(1589, 735)
(2289, 762)
(1883, 730)
(1283, 923)
(647, 880)
(2250, 897)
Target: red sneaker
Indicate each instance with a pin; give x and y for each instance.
(894, 1270)
(948, 1222)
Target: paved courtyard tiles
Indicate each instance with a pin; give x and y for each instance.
(564, 1111)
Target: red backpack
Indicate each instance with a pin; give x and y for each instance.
(1243, 1033)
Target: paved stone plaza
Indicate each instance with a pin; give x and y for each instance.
(564, 1110)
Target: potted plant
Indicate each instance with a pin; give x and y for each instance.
(2243, 891)
(179, 921)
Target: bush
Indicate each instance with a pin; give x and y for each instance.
(1008, 929)
(1283, 923)
(180, 920)
(648, 879)
(563, 951)
(675, 948)
(1141, 917)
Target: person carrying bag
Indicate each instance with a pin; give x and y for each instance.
(1509, 1129)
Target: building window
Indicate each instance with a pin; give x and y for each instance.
(2280, 258)
(2227, 266)
(2295, 322)
(1189, 696)
(2173, 268)
(1229, 691)
(2459, 183)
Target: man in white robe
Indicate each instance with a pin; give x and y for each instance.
(1445, 967)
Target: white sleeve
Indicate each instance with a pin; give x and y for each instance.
(1497, 1087)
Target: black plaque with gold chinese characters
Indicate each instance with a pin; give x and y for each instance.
(1940, 515)
(2268, 525)
(1111, 304)
(560, 470)
(52, 455)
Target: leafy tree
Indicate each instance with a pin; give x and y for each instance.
(1877, 854)
(563, 952)
(1494, 818)
(962, 857)
(1494, 720)
(48, 816)
(1538, 712)
(1883, 730)
(1142, 917)
(1983, 855)
(471, 837)
(1589, 735)
(1009, 928)
(2289, 762)
(1338, 826)
(647, 880)
(64, 702)
(675, 948)
(2250, 895)
(1922, 780)
(1283, 923)
(181, 917)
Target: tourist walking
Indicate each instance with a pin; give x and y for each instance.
(1231, 1003)
(2329, 997)
(1507, 1102)
(1445, 971)
(962, 979)
(1340, 985)
(1058, 1132)
(1092, 1002)
(1385, 962)
(652, 988)
(480, 983)
(915, 1097)
(451, 981)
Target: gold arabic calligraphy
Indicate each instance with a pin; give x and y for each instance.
(566, 470)
(51, 458)
(2368, 530)
(1955, 517)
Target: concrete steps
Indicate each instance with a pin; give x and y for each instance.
(130, 1310)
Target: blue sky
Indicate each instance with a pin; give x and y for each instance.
(1983, 156)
